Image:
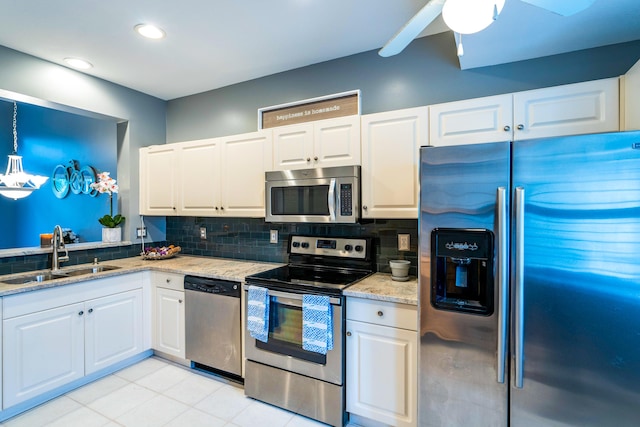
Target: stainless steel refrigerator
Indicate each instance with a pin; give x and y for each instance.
(529, 290)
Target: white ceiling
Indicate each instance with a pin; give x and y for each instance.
(211, 44)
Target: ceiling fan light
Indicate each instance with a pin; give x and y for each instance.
(470, 16)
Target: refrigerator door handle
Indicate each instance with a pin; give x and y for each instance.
(502, 281)
(519, 286)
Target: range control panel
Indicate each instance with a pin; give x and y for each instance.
(329, 246)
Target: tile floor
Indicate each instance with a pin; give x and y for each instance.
(153, 393)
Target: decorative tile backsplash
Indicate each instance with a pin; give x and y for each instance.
(244, 239)
(248, 238)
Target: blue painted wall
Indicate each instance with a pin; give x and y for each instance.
(47, 138)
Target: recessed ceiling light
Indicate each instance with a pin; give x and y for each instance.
(149, 31)
(81, 64)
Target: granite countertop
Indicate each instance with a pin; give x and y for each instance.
(379, 286)
(219, 268)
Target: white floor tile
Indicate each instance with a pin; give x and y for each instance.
(122, 400)
(226, 402)
(142, 369)
(44, 414)
(95, 390)
(195, 418)
(259, 413)
(163, 378)
(155, 412)
(193, 389)
(82, 417)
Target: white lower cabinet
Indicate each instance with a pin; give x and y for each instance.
(169, 314)
(381, 356)
(55, 336)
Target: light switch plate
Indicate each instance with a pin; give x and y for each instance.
(404, 242)
(273, 236)
(141, 232)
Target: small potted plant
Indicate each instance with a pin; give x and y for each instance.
(111, 231)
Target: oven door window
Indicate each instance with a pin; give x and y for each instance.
(285, 332)
(300, 200)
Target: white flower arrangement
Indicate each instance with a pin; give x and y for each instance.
(106, 184)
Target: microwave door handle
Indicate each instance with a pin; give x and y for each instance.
(331, 199)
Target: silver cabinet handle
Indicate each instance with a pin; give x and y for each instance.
(502, 280)
(365, 207)
(168, 280)
(179, 301)
(507, 128)
(520, 127)
(315, 158)
(348, 333)
(90, 310)
(380, 313)
(519, 287)
(308, 159)
(80, 313)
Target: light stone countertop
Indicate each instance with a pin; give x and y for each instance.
(219, 268)
(379, 286)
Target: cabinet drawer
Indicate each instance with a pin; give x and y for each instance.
(168, 280)
(383, 313)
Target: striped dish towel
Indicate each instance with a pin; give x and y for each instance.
(258, 313)
(317, 324)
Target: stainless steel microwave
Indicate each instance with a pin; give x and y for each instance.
(325, 195)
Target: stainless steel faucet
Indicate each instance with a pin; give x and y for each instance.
(58, 243)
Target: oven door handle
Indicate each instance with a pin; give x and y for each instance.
(294, 299)
(331, 199)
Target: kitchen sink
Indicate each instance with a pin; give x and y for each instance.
(48, 275)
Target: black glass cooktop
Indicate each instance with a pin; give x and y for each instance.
(318, 279)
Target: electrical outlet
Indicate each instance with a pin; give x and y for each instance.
(404, 242)
(203, 233)
(273, 236)
(141, 232)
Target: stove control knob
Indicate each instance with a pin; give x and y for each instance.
(305, 245)
(295, 244)
(348, 248)
(359, 248)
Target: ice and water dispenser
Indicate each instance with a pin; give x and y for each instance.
(462, 270)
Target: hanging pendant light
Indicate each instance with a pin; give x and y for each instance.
(16, 183)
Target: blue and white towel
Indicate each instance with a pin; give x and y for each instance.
(258, 313)
(317, 324)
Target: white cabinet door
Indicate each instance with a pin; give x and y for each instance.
(390, 161)
(198, 192)
(158, 180)
(245, 160)
(631, 103)
(382, 373)
(324, 143)
(169, 322)
(471, 121)
(113, 329)
(293, 147)
(42, 351)
(580, 108)
(336, 142)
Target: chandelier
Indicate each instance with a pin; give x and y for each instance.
(16, 183)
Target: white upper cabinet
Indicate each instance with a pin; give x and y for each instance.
(246, 158)
(471, 121)
(210, 177)
(158, 180)
(390, 161)
(631, 94)
(323, 143)
(580, 108)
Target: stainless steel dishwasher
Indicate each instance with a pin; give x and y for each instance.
(212, 309)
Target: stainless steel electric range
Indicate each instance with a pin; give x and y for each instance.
(280, 371)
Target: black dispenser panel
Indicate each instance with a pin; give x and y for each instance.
(462, 270)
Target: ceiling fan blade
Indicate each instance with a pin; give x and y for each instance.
(411, 29)
(564, 8)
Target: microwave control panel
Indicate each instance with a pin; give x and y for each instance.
(346, 199)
